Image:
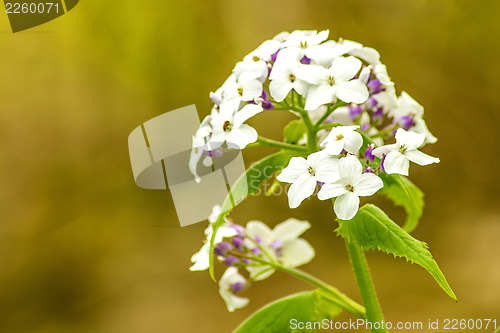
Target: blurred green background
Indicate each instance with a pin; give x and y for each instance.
(82, 249)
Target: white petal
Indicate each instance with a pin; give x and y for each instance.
(312, 73)
(256, 272)
(329, 191)
(301, 87)
(302, 188)
(346, 206)
(352, 142)
(319, 95)
(290, 229)
(244, 114)
(334, 147)
(259, 230)
(350, 169)
(344, 69)
(420, 158)
(242, 136)
(384, 150)
(409, 139)
(201, 258)
(280, 88)
(296, 167)
(395, 162)
(354, 91)
(326, 168)
(368, 54)
(251, 89)
(322, 54)
(367, 184)
(421, 127)
(297, 252)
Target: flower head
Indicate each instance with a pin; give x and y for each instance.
(343, 138)
(353, 183)
(398, 155)
(305, 174)
(231, 283)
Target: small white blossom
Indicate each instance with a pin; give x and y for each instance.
(284, 79)
(399, 155)
(352, 184)
(304, 39)
(230, 283)
(256, 61)
(334, 82)
(201, 258)
(304, 174)
(343, 137)
(228, 126)
(282, 244)
(246, 87)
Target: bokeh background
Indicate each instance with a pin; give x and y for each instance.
(82, 249)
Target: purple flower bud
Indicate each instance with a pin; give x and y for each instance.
(382, 169)
(355, 111)
(374, 86)
(369, 153)
(255, 251)
(371, 102)
(258, 240)
(237, 287)
(221, 248)
(239, 229)
(378, 116)
(214, 153)
(247, 261)
(275, 54)
(320, 184)
(368, 170)
(231, 260)
(365, 127)
(405, 122)
(238, 243)
(277, 244)
(305, 60)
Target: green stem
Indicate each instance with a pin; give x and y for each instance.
(384, 132)
(278, 144)
(365, 284)
(311, 132)
(337, 297)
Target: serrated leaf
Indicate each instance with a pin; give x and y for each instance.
(294, 131)
(247, 184)
(371, 228)
(309, 306)
(403, 192)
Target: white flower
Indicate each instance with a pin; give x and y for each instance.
(304, 39)
(228, 126)
(201, 258)
(246, 87)
(284, 79)
(304, 174)
(256, 61)
(334, 82)
(407, 106)
(343, 137)
(399, 155)
(421, 127)
(282, 244)
(352, 184)
(230, 283)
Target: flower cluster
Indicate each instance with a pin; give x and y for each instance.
(255, 248)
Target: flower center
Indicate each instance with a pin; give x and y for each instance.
(255, 58)
(240, 91)
(339, 137)
(303, 44)
(349, 187)
(227, 126)
(311, 171)
(402, 149)
(331, 80)
(291, 77)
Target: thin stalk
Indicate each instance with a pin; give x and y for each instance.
(278, 144)
(311, 131)
(366, 287)
(337, 297)
(384, 132)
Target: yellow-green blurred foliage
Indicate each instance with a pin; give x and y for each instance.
(82, 249)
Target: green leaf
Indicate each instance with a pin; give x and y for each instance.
(247, 184)
(371, 228)
(276, 317)
(403, 192)
(294, 131)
